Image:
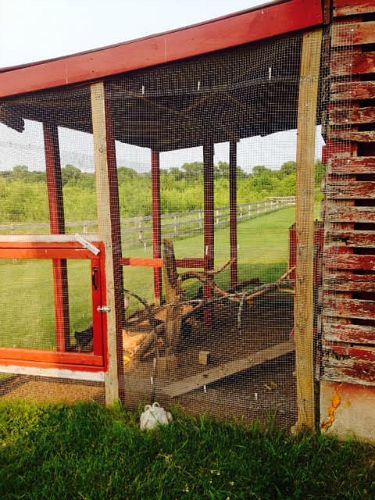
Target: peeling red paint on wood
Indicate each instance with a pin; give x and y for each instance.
(346, 115)
(354, 372)
(345, 286)
(353, 135)
(355, 334)
(349, 276)
(353, 165)
(335, 258)
(345, 91)
(352, 7)
(352, 238)
(347, 189)
(336, 213)
(352, 62)
(348, 308)
(363, 353)
(359, 33)
(349, 364)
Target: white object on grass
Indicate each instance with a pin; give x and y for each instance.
(153, 416)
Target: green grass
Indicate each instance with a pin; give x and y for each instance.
(26, 296)
(87, 451)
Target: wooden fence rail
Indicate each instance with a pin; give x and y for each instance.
(137, 231)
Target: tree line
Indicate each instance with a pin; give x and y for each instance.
(23, 193)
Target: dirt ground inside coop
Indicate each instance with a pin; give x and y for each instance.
(265, 391)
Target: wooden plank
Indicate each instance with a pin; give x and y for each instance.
(108, 230)
(345, 286)
(304, 302)
(361, 239)
(351, 115)
(353, 135)
(365, 353)
(233, 212)
(338, 213)
(57, 226)
(346, 91)
(156, 222)
(348, 189)
(218, 34)
(335, 260)
(227, 369)
(355, 372)
(358, 33)
(343, 8)
(350, 166)
(348, 308)
(353, 334)
(352, 62)
(349, 277)
(355, 364)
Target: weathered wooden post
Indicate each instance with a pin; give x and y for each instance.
(304, 296)
(109, 231)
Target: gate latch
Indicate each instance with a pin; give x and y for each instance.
(103, 309)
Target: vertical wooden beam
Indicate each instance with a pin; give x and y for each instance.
(57, 226)
(233, 212)
(209, 222)
(304, 302)
(109, 230)
(173, 321)
(156, 224)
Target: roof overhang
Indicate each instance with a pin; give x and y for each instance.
(223, 33)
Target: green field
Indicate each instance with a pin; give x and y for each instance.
(26, 296)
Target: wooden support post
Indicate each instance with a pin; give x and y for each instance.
(233, 212)
(209, 222)
(304, 304)
(57, 225)
(156, 224)
(173, 297)
(109, 230)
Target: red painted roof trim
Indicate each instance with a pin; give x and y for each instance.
(218, 34)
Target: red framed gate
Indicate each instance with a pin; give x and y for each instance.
(66, 357)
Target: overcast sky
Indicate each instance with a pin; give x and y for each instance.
(32, 30)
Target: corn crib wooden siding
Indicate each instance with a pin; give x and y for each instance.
(348, 307)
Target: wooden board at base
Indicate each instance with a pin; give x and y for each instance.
(226, 370)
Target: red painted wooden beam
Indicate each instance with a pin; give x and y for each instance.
(57, 224)
(233, 212)
(156, 223)
(157, 263)
(218, 34)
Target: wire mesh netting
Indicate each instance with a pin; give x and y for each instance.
(206, 181)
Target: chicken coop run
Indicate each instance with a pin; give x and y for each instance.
(142, 259)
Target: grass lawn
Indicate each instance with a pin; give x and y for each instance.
(89, 452)
(26, 295)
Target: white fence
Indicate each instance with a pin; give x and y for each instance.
(137, 231)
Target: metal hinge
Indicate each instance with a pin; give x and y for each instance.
(103, 309)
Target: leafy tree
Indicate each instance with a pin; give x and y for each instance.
(70, 174)
(287, 168)
(20, 172)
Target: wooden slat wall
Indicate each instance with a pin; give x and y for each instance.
(348, 307)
